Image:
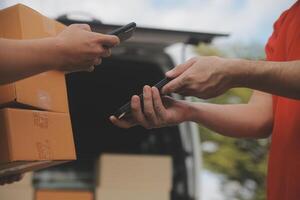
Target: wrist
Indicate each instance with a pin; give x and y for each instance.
(255, 73)
(58, 53)
(192, 112)
(239, 72)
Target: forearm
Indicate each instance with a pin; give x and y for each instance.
(279, 78)
(241, 121)
(23, 58)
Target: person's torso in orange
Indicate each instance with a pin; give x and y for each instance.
(284, 162)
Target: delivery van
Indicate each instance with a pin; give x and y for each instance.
(94, 96)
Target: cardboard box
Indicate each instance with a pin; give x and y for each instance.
(33, 140)
(18, 190)
(63, 195)
(17, 193)
(134, 177)
(46, 91)
(115, 194)
(138, 172)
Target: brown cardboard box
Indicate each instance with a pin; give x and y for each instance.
(116, 194)
(45, 91)
(33, 140)
(17, 193)
(63, 195)
(134, 177)
(18, 190)
(135, 172)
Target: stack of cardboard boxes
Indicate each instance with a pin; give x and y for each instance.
(35, 126)
(36, 132)
(134, 177)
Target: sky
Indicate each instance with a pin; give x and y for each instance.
(211, 186)
(245, 20)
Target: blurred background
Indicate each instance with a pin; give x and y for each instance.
(233, 168)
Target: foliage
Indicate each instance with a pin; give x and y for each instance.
(241, 160)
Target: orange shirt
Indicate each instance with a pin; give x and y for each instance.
(284, 162)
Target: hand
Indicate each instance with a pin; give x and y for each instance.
(203, 77)
(10, 179)
(158, 112)
(81, 49)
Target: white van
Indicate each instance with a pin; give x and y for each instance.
(94, 96)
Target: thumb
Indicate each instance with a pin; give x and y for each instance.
(181, 68)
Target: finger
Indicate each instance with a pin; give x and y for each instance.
(15, 178)
(137, 113)
(148, 106)
(106, 52)
(174, 85)
(180, 68)
(2, 181)
(158, 105)
(10, 179)
(107, 40)
(82, 26)
(19, 177)
(121, 123)
(168, 101)
(97, 61)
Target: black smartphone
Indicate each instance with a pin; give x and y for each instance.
(126, 108)
(124, 32)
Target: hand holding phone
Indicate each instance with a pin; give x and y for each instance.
(124, 32)
(126, 109)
